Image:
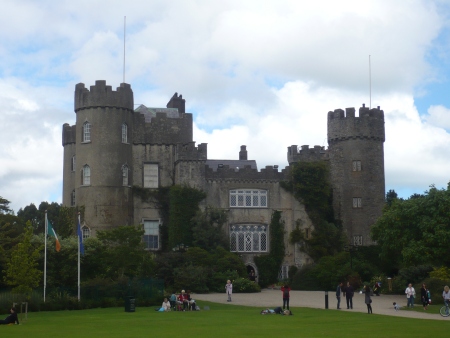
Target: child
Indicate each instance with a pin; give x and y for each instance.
(229, 290)
(396, 306)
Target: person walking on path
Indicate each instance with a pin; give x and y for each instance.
(349, 292)
(229, 290)
(410, 294)
(424, 296)
(285, 289)
(367, 299)
(338, 295)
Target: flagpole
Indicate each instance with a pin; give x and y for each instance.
(45, 255)
(78, 235)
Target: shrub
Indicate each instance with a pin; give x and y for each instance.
(244, 285)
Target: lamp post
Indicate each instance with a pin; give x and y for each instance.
(351, 248)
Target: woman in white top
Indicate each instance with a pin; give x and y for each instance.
(410, 294)
(446, 295)
(166, 305)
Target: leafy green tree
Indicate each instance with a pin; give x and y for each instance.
(4, 206)
(22, 269)
(123, 250)
(207, 230)
(391, 196)
(417, 230)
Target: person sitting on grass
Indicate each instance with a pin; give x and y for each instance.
(166, 305)
(11, 319)
(183, 299)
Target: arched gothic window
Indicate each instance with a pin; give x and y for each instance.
(86, 132)
(248, 238)
(86, 175)
(86, 232)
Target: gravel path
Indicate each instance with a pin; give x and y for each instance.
(316, 299)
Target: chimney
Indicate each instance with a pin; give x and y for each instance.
(243, 153)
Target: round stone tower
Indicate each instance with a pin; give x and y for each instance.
(357, 169)
(103, 154)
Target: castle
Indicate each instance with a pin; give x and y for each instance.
(113, 147)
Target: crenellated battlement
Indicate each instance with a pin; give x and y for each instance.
(269, 173)
(102, 95)
(189, 152)
(345, 125)
(306, 154)
(68, 134)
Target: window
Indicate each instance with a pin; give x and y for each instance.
(150, 175)
(72, 167)
(124, 133)
(151, 235)
(72, 198)
(125, 175)
(357, 240)
(86, 175)
(86, 232)
(356, 166)
(248, 198)
(248, 238)
(283, 274)
(86, 132)
(357, 202)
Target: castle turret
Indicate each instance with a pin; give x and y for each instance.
(102, 157)
(357, 169)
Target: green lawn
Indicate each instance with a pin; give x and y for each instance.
(222, 320)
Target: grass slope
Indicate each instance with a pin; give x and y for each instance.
(222, 320)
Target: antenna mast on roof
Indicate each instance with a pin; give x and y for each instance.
(370, 85)
(124, 30)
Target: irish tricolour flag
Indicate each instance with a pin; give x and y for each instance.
(51, 232)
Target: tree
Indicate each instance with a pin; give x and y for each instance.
(417, 230)
(4, 206)
(208, 231)
(22, 269)
(123, 250)
(391, 196)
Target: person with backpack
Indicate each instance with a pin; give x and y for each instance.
(285, 290)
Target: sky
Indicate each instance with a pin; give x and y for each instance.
(258, 73)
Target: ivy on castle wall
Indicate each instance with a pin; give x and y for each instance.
(310, 184)
(269, 265)
(177, 205)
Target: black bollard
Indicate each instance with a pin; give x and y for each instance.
(326, 299)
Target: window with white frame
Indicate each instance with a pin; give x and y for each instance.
(72, 198)
(248, 198)
(151, 175)
(86, 132)
(151, 234)
(72, 166)
(124, 133)
(86, 232)
(357, 203)
(125, 175)
(86, 175)
(248, 238)
(356, 166)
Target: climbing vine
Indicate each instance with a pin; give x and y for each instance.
(269, 265)
(177, 205)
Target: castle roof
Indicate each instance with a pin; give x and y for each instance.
(150, 112)
(214, 164)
